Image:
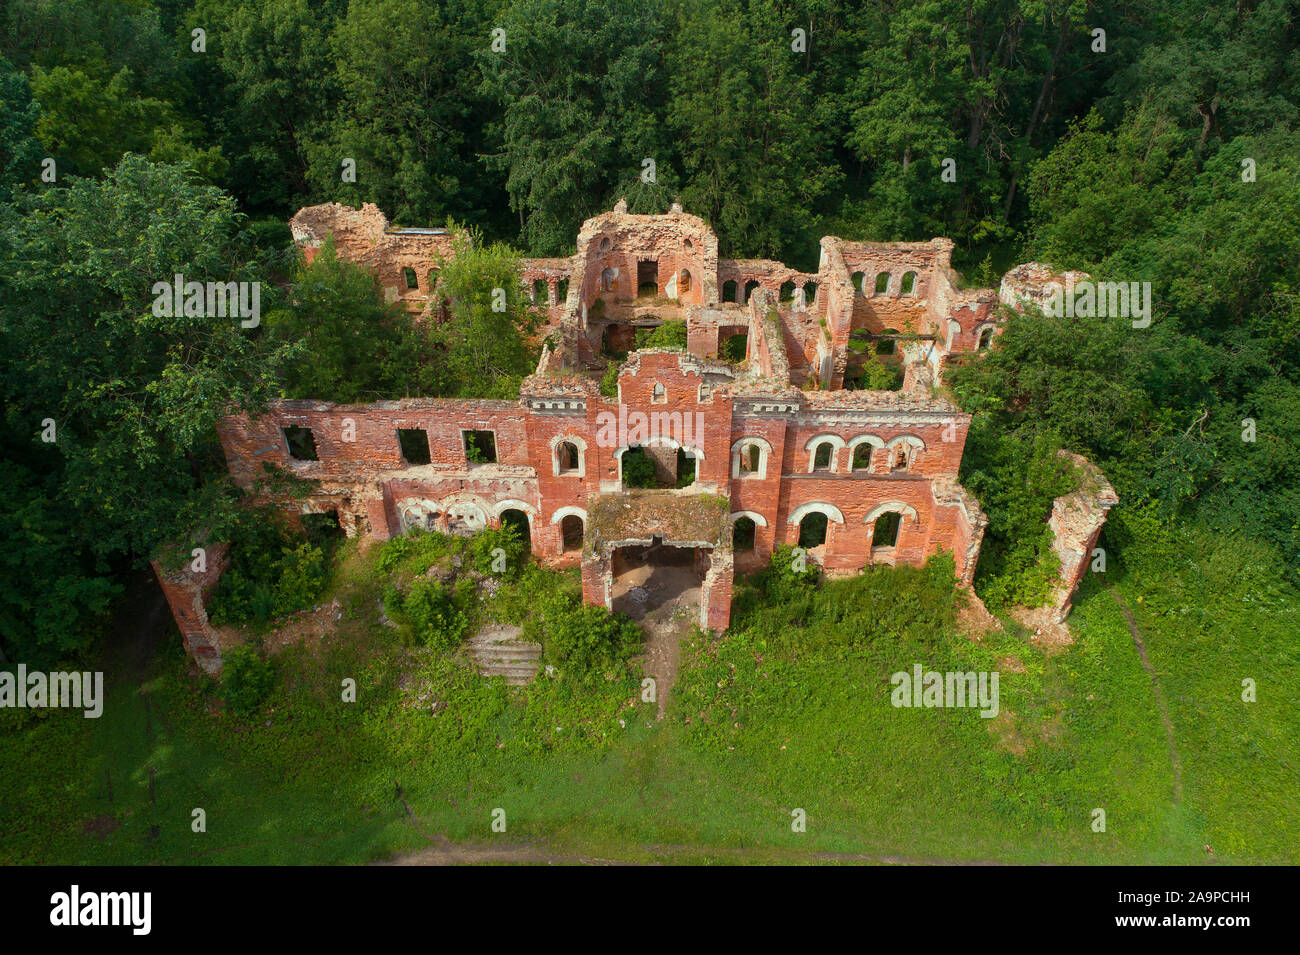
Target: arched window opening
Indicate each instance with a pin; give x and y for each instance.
(605, 246)
(862, 457)
(734, 348)
(750, 458)
(787, 291)
(812, 530)
(567, 456)
(886, 530)
(729, 290)
(750, 286)
(411, 281)
(687, 468)
(659, 395)
(985, 339)
(859, 283)
(513, 517)
(822, 456)
(809, 292)
(571, 533)
(909, 283)
(683, 281)
(743, 534)
(882, 283)
(899, 458)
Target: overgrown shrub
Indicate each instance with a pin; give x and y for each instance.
(416, 551)
(668, 335)
(638, 469)
(246, 680)
(273, 572)
(912, 605)
(498, 550)
(1016, 481)
(583, 641)
(434, 614)
(790, 574)
(609, 383)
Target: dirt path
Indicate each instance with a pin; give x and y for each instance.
(665, 601)
(1160, 697)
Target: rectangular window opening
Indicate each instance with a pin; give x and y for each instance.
(301, 442)
(414, 443)
(480, 447)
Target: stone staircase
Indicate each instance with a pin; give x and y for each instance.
(498, 651)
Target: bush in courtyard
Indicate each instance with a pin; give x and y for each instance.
(273, 572)
(667, 335)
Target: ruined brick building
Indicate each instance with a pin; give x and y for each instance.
(780, 450)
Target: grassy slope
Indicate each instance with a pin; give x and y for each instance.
(1080, 730)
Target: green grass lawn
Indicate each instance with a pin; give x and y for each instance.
(790, 710)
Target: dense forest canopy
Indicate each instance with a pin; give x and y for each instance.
(1151, 142)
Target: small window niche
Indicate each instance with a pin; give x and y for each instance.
(480, 447)
(301, 443)
(414, 443)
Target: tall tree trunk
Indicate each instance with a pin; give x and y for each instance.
(1040, 106)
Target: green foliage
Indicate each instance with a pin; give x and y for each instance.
(413, 119)
(1016, 481)
(638, 469)
(135, 464)
(609, 381)
(877, 375)
(585, 643)
(734, 349)
(739, 105)
(356, 347)
(578, 95)
(485, 352)
(790, 576)
(271, 574)
(414, 552)
(19, 149)
(671, 334)
(246, 680)
(435, 614)
(90, 117)
(908, 606)
(494, 544)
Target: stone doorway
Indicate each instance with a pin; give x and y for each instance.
(653, 577)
